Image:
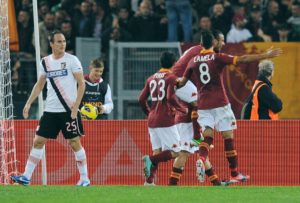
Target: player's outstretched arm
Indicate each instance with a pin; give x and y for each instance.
(270, 53)
(36, 90)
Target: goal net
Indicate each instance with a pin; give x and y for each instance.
(7, 135)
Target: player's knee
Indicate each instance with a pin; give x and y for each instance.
(207, 164)
(75, 144)
(38, 142)
(227, 134)
(208, 132)
(174, 154)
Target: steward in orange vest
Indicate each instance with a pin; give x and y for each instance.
(265, 104)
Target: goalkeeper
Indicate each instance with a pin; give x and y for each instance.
(97, 91)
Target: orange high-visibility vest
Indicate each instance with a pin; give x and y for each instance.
(255, 104)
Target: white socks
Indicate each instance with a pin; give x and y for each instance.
(33, 159)
(81, 164)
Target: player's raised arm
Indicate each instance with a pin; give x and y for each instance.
(270, 53)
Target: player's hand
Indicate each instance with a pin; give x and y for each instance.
(83, 117)
(271, 52)
(101, 110)
(74, 112)
(26, 110)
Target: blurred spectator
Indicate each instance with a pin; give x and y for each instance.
(113, 7)
(67, 5)
(238, 32)
(114, 33)
(23, 5)
(285, 7)
(161, 12)
(61, 16)
(221, 17)
(254, 26)
(179, 9)
(271, 19)
(134, 5)
(45, 27)
(123, 16)
(103, 20)
(294, 21)
(143, 24)
(84, 20)
(25, 31)
(204, 24)
(125, 4)
(284, 33)
(43, 9)
(66, 29)
(202, 7)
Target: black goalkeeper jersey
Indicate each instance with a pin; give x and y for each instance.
(95, 94)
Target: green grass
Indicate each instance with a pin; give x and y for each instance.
(131, 194)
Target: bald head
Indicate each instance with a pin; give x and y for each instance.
(265, 68)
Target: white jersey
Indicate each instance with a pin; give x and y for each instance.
(61, 71)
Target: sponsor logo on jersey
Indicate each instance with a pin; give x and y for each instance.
(57, 73)
(92, 93)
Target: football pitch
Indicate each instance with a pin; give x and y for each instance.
(131, 194)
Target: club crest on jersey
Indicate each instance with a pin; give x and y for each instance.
(63, 65)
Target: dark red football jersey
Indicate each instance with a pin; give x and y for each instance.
(161, 89)
(181, 65)
(179, 69)
(208, 68)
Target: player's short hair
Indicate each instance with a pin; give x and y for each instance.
(207, 39)
(216, 34)
(52, 34)
(167, 59)
(97, 63)
(265, 68)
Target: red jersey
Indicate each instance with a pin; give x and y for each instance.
(181, 65)
(161, 88)
(208, 68)
(179, 69)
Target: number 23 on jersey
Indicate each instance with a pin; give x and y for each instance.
(159, 88)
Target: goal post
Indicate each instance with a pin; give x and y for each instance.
(8, 162)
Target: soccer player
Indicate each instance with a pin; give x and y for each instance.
(164, 136)
(65, 88)
(185, 123)
(214, 109)
(97, 91)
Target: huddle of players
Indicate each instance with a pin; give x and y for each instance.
(202, 106)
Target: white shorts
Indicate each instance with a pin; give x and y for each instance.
(165, 138)
(187, 93)
(221, 118)
(186, 134)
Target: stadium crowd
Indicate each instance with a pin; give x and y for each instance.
(150, 20)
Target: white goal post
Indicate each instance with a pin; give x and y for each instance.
(8, 165)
